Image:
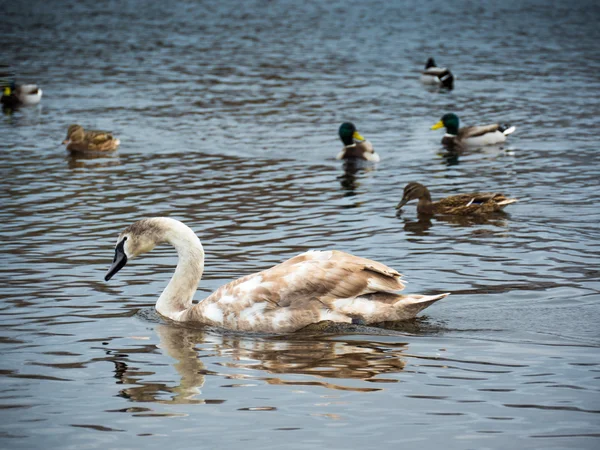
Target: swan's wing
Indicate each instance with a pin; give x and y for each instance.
(474, 131)
(314, 276)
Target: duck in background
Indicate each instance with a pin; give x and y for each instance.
(79, 140)
(440, 76)
(21, 95)
(355, 146)
(477, 203)
(473, 136)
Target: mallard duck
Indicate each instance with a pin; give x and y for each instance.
(440, 76)
(80, 140)
(471, 136)
(355, 146)
(477, 203)
(312, 287)
(24, 94)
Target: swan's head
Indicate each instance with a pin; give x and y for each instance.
(138, 238)
(75, 133)
(413, 191)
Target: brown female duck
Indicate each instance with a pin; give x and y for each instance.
(80, 140)
(477, 203)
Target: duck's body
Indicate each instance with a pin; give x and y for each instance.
(473, 136)
(355, 146)
(439, 76)
(24, 94)
(473, 204)
(312, 287)
(79, 140)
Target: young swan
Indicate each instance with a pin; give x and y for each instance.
(309, 288)
(477, 203)
(79, 140)
(355, 146)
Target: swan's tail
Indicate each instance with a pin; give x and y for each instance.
(408, 306)
(384, 306)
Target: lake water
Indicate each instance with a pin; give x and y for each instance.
(228, 115)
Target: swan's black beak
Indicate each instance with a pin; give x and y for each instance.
(118, 262)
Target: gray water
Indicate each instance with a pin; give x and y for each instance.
(228, 115)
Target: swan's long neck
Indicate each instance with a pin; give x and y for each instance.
(177, 296)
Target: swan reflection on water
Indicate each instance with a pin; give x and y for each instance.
(243, 360)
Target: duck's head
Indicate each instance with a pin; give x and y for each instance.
(140, 237)
(75, 133)
(450, 121)
(413, 191)
(430, 63)
(348, 133)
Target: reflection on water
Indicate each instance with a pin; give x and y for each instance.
(178, 344)
(250, 360)
(92, 161)
(424, 222)
(354, 170)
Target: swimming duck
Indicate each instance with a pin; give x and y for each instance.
(440, 76)
(355, 146)
(79, 140)
(456, 137)
(24, 94)
(477, 203)
(309, 288)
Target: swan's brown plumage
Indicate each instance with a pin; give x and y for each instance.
(306, 289)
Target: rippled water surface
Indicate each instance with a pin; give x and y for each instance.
(228, 115)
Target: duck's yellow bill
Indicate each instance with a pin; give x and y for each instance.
(7, 91)
(438, 125)
(357, 136)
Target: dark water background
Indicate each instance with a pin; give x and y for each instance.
(228, 113)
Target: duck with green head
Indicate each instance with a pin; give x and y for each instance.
(474, 204)
(24, 94)
(473, 136)
(355, 146)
